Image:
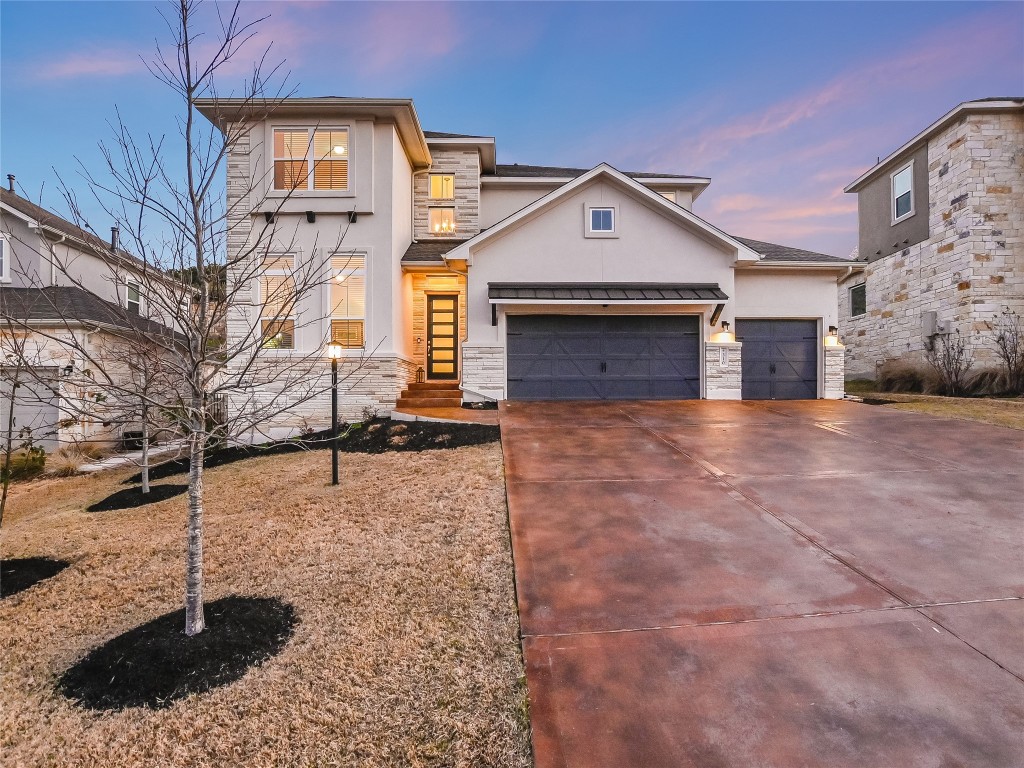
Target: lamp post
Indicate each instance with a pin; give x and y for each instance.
(334, 353)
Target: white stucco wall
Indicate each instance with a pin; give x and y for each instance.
(786, 293)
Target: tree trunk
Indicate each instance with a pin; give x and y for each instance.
(8, 449)
(145, 451)
(194, 619)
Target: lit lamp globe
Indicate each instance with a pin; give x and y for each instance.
(334, 350)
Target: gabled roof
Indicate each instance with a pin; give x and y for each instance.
(653, 200)
(559, 172)
(442, 135)
(52, 221)
(71, 305)
(774, 252)
(989, 104)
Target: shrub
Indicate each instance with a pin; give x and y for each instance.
(66, 462)
(1009, 340)
(950, 356)
(25, 464)
(905, 376)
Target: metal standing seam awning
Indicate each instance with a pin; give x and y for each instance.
(605, 293)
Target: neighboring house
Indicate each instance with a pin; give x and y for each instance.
(58, 281)
(942, 235)
(511, 281)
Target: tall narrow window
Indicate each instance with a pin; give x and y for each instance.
(858, 300)
(348, 300)
(442, 221)
(133, 297)
(903, 193)
(5, 260)
(442, 186)
(277, 297)
(311, 158)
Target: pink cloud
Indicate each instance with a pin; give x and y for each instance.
(95, 63)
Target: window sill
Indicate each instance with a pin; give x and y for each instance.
(902, 218)
(602, 235)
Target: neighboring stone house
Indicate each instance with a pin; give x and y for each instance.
(68, 302)
(463, 279)
(941, 238)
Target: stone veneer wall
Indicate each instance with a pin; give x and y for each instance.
(483, 373)
(723, 382)
(971, 266)
(465, 165)
(835, 372)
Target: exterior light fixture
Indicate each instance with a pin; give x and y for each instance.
(68, 370)
(833, 330)
(334, 350)
(832, 339)
(725, 326)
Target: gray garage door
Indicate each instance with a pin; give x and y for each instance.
(566, 357)
(35, 413)
(780, 359)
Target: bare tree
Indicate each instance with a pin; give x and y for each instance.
(952, 360)
(167, 197)
(1009, 340)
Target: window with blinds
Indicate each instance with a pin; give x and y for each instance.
(277, 297)
(348, 300)
(311, 158)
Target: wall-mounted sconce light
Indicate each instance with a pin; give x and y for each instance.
(725, 326)
(832, 339)
(311, 216)
(268, 216)
(833, 330)
(68, 370)
(353, 217)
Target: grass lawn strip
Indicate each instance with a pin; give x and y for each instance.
(1001, 412)
(406, 649)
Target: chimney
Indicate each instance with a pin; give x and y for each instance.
(10, 182)
(114, 232)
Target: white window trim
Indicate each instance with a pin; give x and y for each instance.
(309, 191)
(892, 193)
(261, 299)
(447, 206)
(850, 291)
(430, 176)
(5, 266)
(365, 270)
(588, 220)
(128, 283)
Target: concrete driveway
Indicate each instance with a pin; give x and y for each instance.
(767, 584)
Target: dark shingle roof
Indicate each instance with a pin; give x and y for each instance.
(607, 291)
(52, 220)
(773, 252)
(429, 250)
(67, 304)
(441, 135)
(557, 172)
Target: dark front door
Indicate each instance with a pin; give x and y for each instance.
(780, 359)
(581, 357)
(442, 330)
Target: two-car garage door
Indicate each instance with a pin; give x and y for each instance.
(586, 357)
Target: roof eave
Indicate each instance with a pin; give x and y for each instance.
(483, 144)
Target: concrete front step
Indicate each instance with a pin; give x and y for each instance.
(447, 393)
(429, 385)
(429, 402)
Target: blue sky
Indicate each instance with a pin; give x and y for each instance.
(781, 104)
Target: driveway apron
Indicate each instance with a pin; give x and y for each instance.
(767, 584)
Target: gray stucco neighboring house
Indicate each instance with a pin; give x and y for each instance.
(941, 238)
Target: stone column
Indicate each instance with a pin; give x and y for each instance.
(723, 371)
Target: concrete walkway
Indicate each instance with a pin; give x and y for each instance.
(767, 584)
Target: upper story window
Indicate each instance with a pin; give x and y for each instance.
(348, 300)
(858, 300)
(903, 193)
(600, 221)
(670, 196)
(277, 296)
(133, 297)
(442, 186)
(311, 158)
(441, 221)
(5, 259)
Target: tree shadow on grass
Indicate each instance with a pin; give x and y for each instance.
(18, 574)
(155, 664)
(130, 498)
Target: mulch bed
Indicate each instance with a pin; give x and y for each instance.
(17, 575)
(130, 498)
(155, 664)
(376, 436)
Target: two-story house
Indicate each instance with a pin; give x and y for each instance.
(502, 281)
(941, 238)
(68, 299)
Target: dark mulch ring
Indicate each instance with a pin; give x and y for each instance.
(134, 497)
(376, 436)
(19, 574)
(156, 664)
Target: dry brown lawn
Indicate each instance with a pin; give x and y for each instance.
(407, 650)
(1008, 412)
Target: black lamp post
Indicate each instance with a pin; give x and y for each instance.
(334, 353)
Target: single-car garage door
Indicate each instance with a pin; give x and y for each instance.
(780, 359)
(583, 357)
